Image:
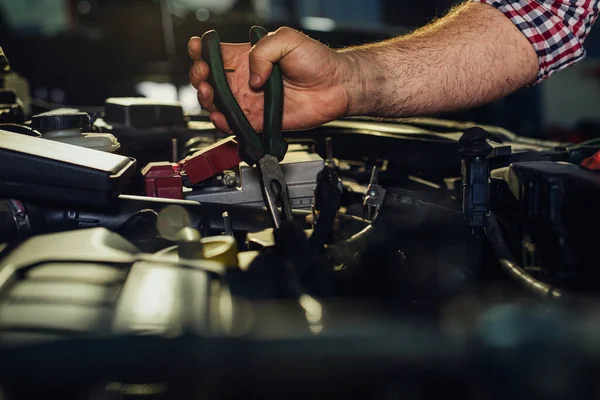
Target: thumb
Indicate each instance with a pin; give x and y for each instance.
(270, 50)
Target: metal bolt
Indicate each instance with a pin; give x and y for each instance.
(328, 150)
(174, 150)
(227, 224)
(229, 179)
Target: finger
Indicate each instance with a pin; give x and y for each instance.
(194, 48)
(192, 79)
(272, 49)
(219, 121)
(198, 72)
(206, 97)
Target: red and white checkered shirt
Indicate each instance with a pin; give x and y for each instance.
(555, 28)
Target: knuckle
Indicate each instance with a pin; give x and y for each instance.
(192, 79)
(284, 31)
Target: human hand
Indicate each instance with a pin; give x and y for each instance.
(314, 76)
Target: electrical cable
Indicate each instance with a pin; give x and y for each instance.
(512, 268)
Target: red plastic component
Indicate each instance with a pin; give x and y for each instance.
(592, 163)
(163, 179)
(210, 161)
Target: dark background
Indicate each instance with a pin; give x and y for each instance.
(79, 52)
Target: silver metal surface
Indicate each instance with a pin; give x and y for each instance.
(274, 189)
(300, 170)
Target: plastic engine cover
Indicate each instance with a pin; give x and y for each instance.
(39, 169)
(103, 286)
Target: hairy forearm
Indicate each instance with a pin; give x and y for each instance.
(472, 56)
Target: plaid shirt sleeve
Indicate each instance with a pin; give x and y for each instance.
(555, 28)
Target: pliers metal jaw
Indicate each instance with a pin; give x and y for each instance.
(274, 188)
(267, 153)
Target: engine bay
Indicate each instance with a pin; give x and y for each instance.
(137, 259)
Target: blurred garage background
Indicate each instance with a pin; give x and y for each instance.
(79, 52)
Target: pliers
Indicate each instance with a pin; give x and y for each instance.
(267, 153)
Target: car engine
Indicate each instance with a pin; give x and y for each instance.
(426, 257)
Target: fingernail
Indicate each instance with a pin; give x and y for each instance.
(254, 80)
(190, 42)
(197, 69)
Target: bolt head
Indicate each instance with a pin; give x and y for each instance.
(229, 179)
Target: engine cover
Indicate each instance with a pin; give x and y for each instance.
(94, 283)
(299, 167)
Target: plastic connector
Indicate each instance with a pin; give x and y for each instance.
(211, 160)
(163, 179)
(591, 163)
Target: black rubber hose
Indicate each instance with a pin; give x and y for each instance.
(513, 269)
(391, 221)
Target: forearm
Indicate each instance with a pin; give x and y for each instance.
(472, 56)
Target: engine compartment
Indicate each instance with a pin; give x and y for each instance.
(137, 258)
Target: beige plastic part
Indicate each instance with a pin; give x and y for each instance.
(265, 237)
(222, 249)
(245, 258)
(97, 141)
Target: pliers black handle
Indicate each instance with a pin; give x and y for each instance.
(251, 147)
(266, 154)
